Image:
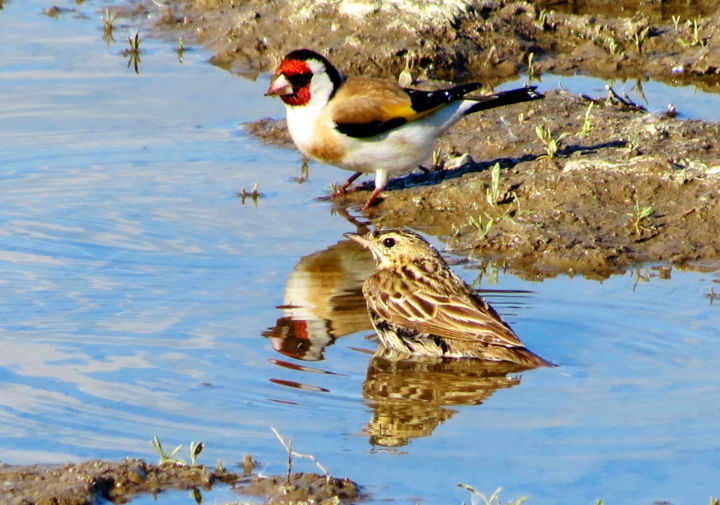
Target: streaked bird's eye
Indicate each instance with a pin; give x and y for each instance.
(389, 242)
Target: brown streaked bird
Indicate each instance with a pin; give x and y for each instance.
(370, 125)
(419, 306)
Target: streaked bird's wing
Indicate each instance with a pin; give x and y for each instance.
(458, 317)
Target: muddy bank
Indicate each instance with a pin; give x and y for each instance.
(119, 482)
(577, 212)
(673, 40)
(623, 187)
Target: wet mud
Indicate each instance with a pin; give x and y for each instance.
(577, 212)
(624, 186)
(95, 481)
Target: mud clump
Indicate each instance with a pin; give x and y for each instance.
(119, 482)
(302, 488)
(86, 483)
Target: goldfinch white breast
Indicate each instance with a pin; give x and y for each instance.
(371, 125)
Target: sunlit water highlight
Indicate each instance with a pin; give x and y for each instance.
(139, 298)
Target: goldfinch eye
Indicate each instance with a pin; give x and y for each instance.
(389, 242)
(299, 80)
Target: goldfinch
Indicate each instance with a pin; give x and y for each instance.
(367, 124)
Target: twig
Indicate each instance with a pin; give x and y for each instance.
(625, 101)
(587, 98)
(291, 453)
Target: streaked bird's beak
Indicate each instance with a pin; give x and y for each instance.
(280, 86)
(359, 239)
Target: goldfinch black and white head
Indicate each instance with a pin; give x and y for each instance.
(304, 76)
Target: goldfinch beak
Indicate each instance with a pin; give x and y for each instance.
(280, 86)
(359, 239)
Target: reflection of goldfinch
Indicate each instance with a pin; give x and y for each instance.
(323, 301)
(418, 305)
(371, 125)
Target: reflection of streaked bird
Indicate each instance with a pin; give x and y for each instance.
(323, 301)
(409, 397)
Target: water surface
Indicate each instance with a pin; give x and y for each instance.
(139, 298)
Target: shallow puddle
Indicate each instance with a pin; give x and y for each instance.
(140, 297)
(689, 102)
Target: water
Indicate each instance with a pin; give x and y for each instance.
(690, 101)
(139, 298)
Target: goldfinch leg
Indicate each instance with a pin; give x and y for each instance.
(373, 197)
(381, 179)
(343, 188)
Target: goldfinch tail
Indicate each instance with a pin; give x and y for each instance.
(502, 98)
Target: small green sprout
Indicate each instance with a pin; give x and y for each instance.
(544, 19)
(552, 144)
(493, 499)
(195, 450)
(676, 21)
(169, 457)
(482, 227)
(696, 39)
(613, 46)
(492, 194)
(133, 52)
(166, 457)
(496, 195)
(253, 194)
(304, 171)
(587, 122)
(180, 49)
(531, 66)
(108, 21)
(640, 38)
(639, 214)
